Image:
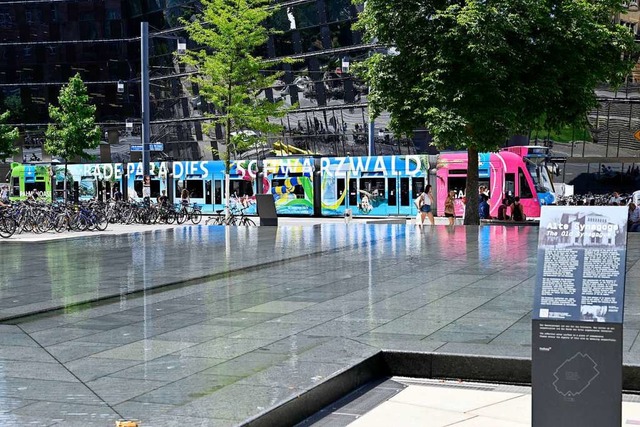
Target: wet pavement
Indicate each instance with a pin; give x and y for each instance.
(211, 326)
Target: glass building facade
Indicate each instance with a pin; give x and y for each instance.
(43, 44)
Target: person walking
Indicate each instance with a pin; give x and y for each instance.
(449, 207)
(426, 201)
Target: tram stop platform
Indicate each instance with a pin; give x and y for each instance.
(224, 326)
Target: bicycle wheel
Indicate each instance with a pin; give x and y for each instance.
(61, 224)
(7, 227)
(196, 216)
(101, 222)
(248, 222)
(181, 216)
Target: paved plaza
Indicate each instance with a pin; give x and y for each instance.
(214, 326)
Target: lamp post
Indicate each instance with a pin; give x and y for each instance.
(371, 147)
(145, 93)
(144, 48)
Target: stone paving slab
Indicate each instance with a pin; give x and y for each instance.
(303, 305)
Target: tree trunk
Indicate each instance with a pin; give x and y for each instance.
(471, 216)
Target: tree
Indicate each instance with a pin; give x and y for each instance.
(73, 129)
(475, 72)
(231, 76)
(8, 137)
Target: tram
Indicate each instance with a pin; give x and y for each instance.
(306, 185)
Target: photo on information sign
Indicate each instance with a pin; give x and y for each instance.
(583, 227)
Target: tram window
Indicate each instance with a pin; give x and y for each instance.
(38, 186)
(404, 192)
(525, 190)
(510, 184)
(457, 184)
(484, 182)
(458, 172)
(195, 188)
(296, 190)
(16, 187)
(340, 188)
(393, 198)
(241, 188)
(155, 188)
(353, 193)
(87, 188)
(373, 186)
(218, 192)
(418, 187)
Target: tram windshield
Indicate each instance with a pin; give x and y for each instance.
(540, 175)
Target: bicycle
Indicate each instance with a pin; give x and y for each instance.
(236, 217)
(191, 213)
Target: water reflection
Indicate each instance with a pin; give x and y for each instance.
(95, 267)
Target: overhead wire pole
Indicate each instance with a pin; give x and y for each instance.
(146, 127)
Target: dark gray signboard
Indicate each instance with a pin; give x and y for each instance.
(577, 316)
(267, 209)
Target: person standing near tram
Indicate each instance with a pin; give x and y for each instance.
(426, 202)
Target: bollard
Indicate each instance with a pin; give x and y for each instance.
(348, 215)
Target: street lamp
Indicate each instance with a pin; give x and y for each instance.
(371, 149)
(145, 92)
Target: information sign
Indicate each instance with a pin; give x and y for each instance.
(577, 317)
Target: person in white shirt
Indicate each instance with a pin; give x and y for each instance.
(426, 203)
(615, 199)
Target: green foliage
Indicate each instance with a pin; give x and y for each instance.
(8, 137)
(475, 72)
(13, 103)
(73, 129)
(231, 76)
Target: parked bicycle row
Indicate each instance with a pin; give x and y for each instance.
(40, 217)
(590, 199)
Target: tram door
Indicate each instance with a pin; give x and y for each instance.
(417, 187)
(208, 197)
(404, 197)
(217, 194)
(393, 208)
(353, 195)
(340, 187)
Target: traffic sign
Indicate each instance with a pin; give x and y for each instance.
(636, 135)
(152, 147)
